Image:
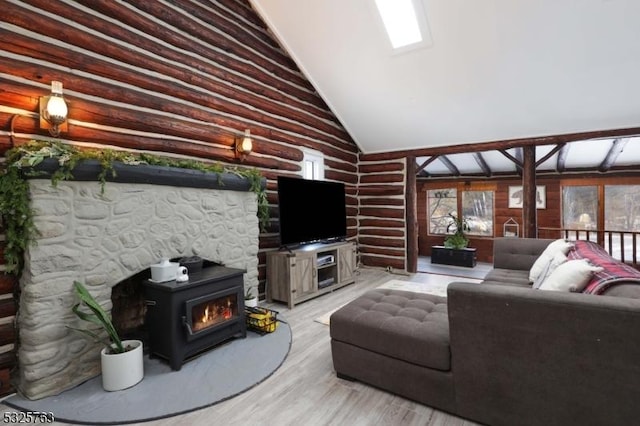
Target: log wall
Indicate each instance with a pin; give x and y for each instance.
(549, 217)
(381, 221)
(176, 77)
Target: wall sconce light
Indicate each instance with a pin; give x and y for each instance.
(244, 145)
(53, 110)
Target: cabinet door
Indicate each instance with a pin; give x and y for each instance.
(278, 276)
(304, 275)
(346, 263)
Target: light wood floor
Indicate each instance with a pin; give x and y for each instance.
(305, 389)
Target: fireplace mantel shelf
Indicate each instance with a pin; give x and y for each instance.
(89, 170)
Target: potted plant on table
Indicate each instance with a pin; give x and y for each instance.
(121, 360)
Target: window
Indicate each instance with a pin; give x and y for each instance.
(405, 23)
(477, 209)
(441, 203)
(622, 207)
(580, 209)
(581, 206)
(313, 164)
(622, 213)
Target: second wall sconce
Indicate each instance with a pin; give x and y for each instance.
(53, 110)
(244, 145)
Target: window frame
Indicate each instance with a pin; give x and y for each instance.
(315, 159)
(460, 188)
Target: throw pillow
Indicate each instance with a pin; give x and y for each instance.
(541, 262)
(558, 259)
(572, 275)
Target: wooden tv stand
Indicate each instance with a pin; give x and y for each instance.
(308, 271)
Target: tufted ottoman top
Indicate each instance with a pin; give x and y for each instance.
(413, 327)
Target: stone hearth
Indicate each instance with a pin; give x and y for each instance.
(102, 239)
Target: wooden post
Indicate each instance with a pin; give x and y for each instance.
(411, 214)
(529, 217)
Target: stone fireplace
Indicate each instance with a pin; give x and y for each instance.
(101, 240)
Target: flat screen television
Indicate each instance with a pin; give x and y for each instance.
(311, 211)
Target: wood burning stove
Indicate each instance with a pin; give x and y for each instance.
(185, 319)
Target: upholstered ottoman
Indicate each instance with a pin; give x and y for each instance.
(397, 341)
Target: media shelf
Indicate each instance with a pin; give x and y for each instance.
(294, 276)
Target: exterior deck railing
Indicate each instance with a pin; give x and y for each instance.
(622, 245)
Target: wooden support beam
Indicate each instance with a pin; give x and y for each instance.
(529, 192)
(412, 215)
(616, 149)
(505, 144)
(561, 163)
(518, 154)
(483, 164)
(452, 168)
(425, 163)
(550, 154)
(518, 163)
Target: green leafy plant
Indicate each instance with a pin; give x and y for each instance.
(458, 239)
(248, 295)
(17, 215)
(17, 218)
(96, 315)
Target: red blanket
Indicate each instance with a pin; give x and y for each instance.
(614, 272)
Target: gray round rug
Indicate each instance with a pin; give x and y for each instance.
(214, 376)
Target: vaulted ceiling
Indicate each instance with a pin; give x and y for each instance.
(493, 70)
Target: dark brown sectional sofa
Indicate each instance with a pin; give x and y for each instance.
(500, 352)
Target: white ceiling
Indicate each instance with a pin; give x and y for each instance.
(496, 69)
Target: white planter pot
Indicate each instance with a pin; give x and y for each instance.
(121, 371)
(251, 303)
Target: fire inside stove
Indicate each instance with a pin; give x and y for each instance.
(213, 312)
(189, 318)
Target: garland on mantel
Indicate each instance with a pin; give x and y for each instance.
(15, 207)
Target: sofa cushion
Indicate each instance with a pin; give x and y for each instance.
(541, 263)
(558, 259)
(507, 277)
(413, 327)
(573, 275)
(517, 253)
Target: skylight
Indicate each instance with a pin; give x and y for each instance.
(401, 22)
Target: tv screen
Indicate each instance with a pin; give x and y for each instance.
(311, 210)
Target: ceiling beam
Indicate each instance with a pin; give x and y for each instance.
(550, 154)
(504, 144)
(517, 162)
(452, 168)
(616, 149)
(425, 164)
(561, 162)
(519, 156)
(518, 152)
(483, 164)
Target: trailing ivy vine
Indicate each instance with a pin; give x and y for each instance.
(15, 207)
